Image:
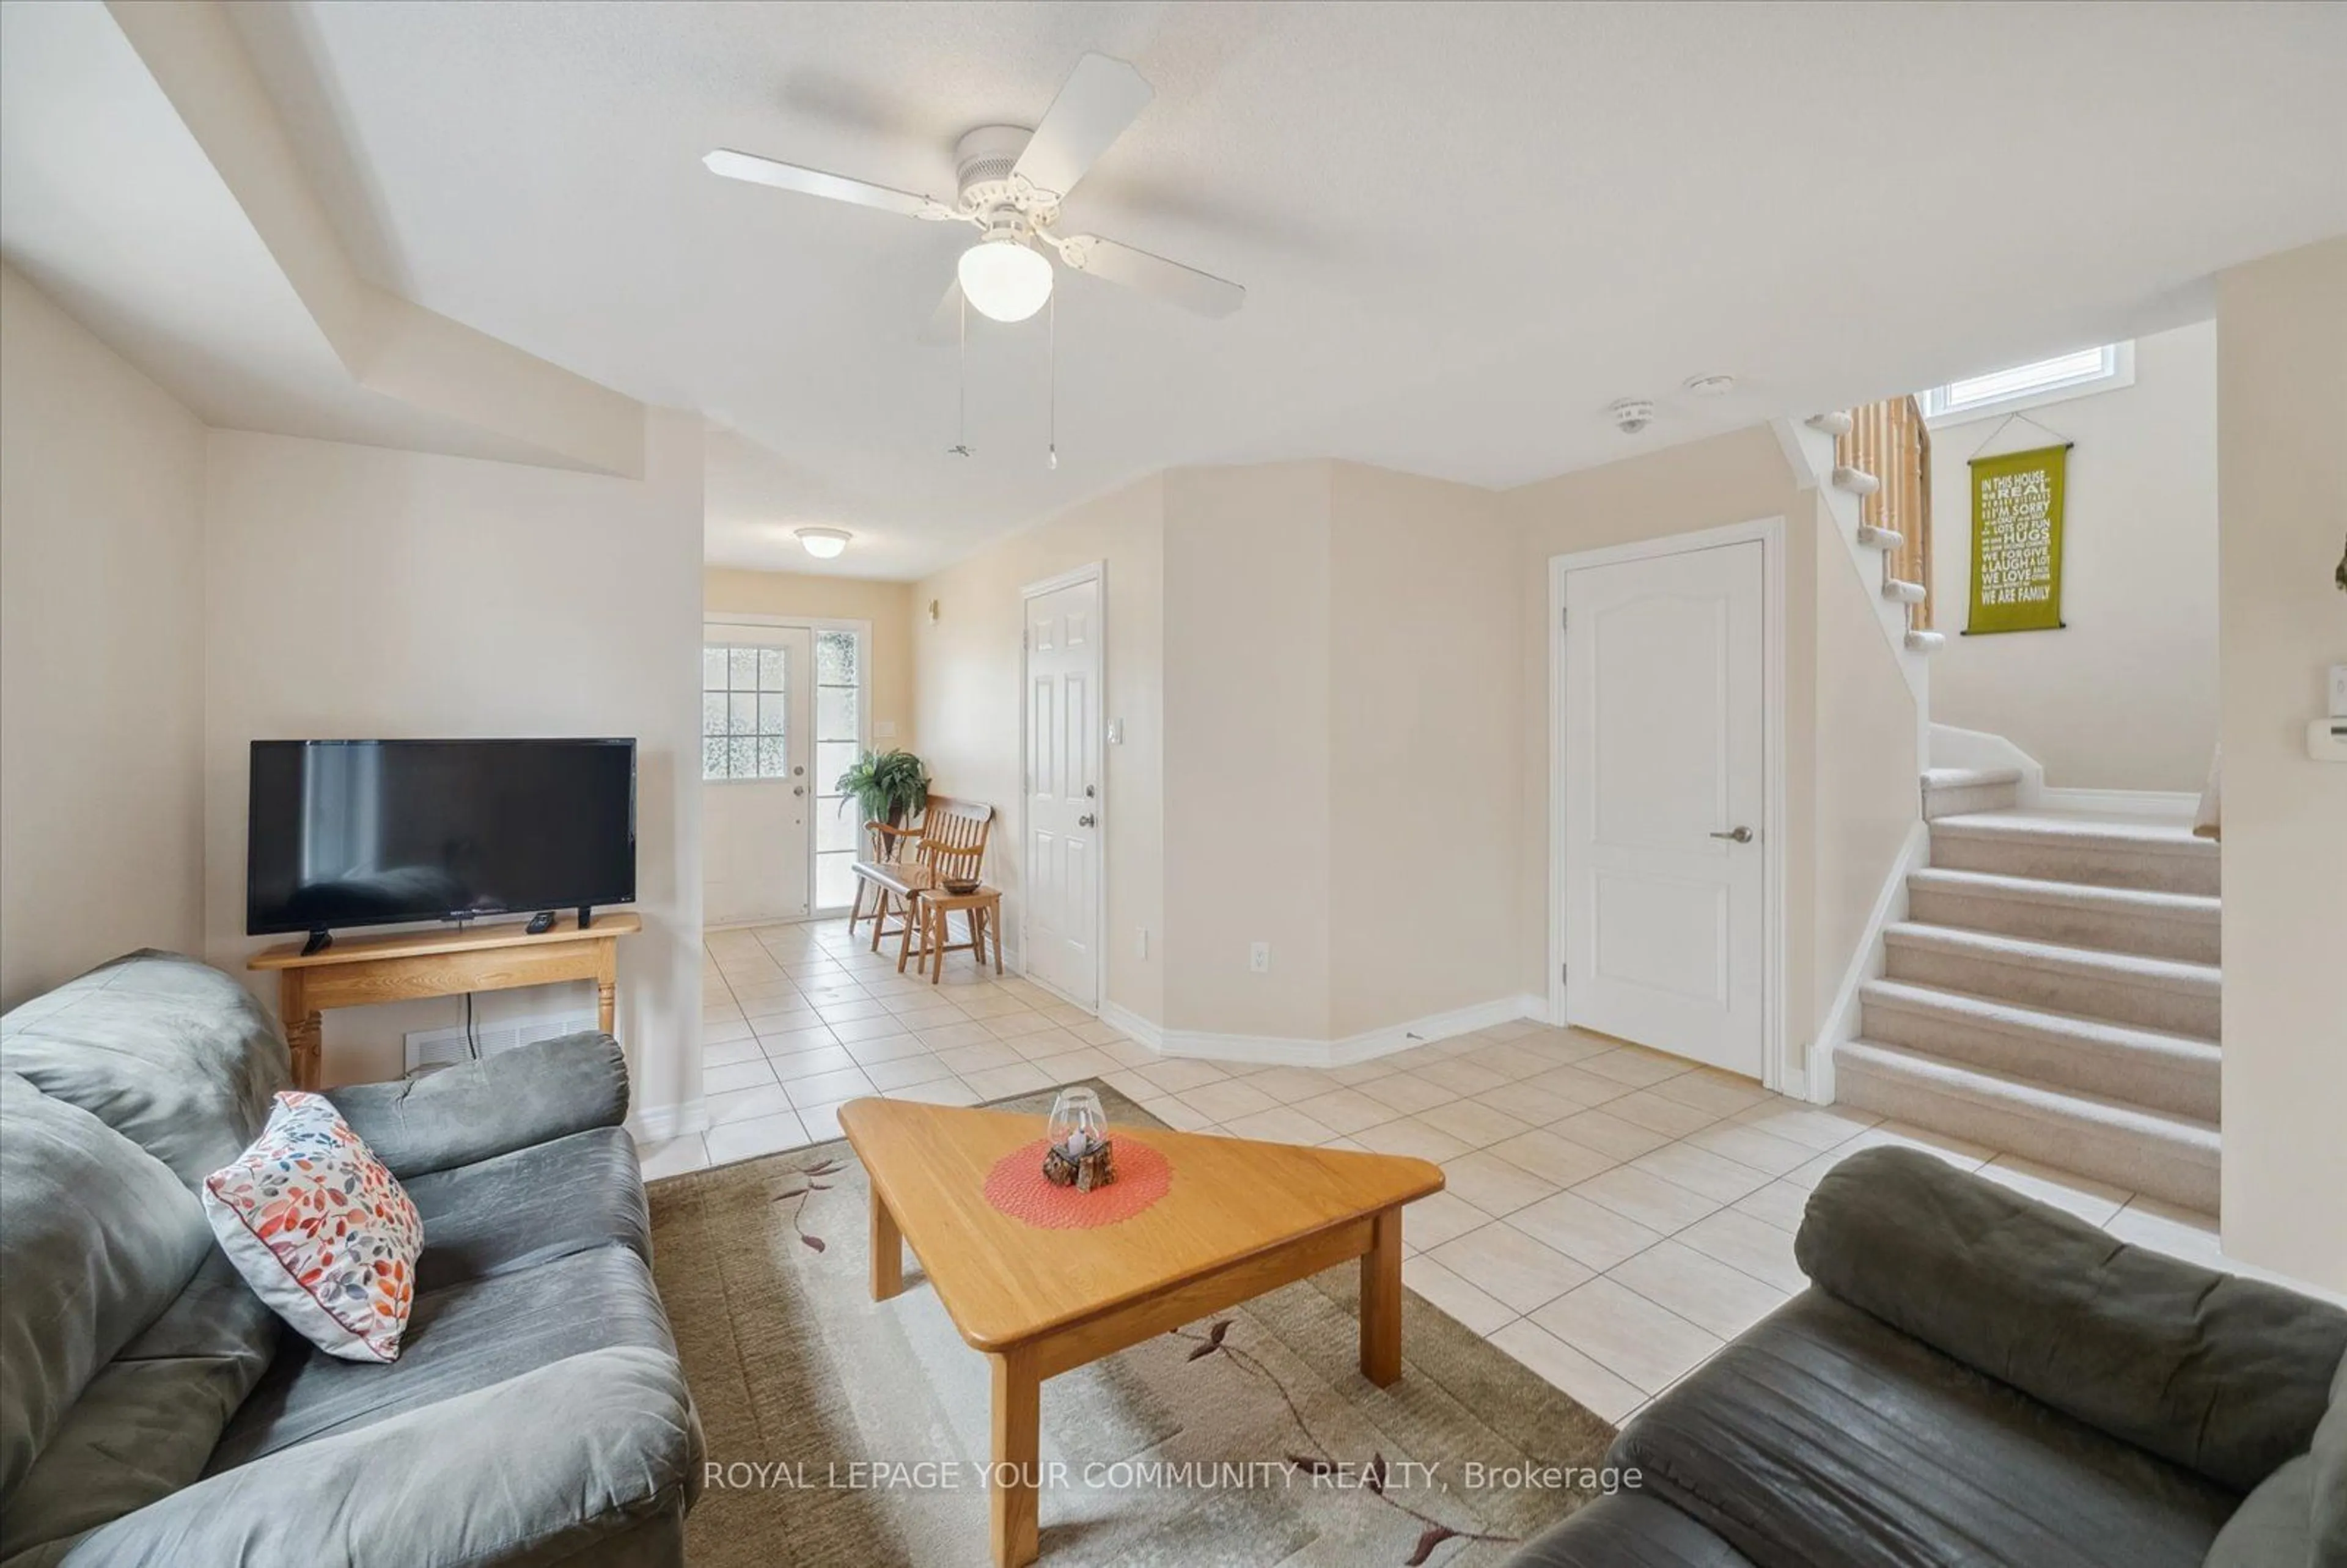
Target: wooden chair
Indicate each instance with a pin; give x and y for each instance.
(889, 845)
(952, 847)
(905, 864)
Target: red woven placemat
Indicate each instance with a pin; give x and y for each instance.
(1018, 1187)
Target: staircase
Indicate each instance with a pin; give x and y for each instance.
(2052, 991)
(1873, 467)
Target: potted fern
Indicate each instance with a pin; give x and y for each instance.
(887, 786)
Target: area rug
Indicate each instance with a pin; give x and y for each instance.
(841, 1430)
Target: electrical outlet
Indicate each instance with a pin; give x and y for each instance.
(1140, 943)
(1259, 957)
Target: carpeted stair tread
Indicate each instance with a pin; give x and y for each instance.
(2029, 1096)
(2095, 963)
(1964, 778)
(2163, 994)
(2145, 832)
(2169, 1158)
(2054, 990)
(2140, 901)
(2152, 854)
(2182, 925)
(2170, 1073)
(1950, 791)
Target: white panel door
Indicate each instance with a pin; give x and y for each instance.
(1665, 780)
(756, 683)
(1063, 805)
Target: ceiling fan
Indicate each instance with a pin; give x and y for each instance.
(1009, 184)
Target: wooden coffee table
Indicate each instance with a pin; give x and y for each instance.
(1241, 1218)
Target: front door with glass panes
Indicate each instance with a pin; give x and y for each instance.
(757, 696)
(782, 717)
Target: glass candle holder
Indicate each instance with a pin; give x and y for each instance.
(1079, 1125)
(1077, 1152)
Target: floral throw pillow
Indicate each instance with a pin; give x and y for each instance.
(321, 1229)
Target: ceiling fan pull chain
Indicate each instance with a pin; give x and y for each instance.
(960, 448)
(1052, 330)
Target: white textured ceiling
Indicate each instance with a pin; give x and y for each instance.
(108, 203)
(1464, 228)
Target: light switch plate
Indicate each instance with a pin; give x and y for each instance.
(2339, 691)
(1116, 732)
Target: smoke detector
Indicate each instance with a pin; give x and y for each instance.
(1710, 385)
(1632, 414)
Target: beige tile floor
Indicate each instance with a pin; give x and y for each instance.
(1613, 1214)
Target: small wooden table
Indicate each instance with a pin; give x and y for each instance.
(402, 967)
(1242, 1219)
(983, 909)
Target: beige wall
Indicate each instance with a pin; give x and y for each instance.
(2281, 325)
(1337, 766)
(101, 643)
(1856, 789)
(889, 606)
(2125, 695)
(1426, 748)
(355, 591)
(1247, 748)
(967, 708)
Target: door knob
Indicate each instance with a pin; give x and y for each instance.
(1741, 835)
(1086, 820)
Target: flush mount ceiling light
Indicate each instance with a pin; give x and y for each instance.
(824, 543)
(1711, 385)
(1002, 276)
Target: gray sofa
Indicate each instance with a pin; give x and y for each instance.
(151, 1409)
(1977, 1379)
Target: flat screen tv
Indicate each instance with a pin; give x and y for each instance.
(370, 833)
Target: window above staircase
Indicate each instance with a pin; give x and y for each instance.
(2032, 385)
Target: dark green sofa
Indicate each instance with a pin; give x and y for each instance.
(1976, 1378)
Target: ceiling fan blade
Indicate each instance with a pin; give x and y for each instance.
(1169, 281)
(1098, 100)
(815, 182)
(944, 326)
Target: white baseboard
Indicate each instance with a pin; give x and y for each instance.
(1287, 1051)
(1867, 962)
(659, 1123)
(1142, 1030)
(2157, 802)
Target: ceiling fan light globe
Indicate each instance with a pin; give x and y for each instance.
(824, 544)
(1003, 279)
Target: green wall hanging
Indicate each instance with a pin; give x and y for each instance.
(2017, 540)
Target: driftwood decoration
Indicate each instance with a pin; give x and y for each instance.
(1096, 1168)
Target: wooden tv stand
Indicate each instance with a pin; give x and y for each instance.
(401, 967)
